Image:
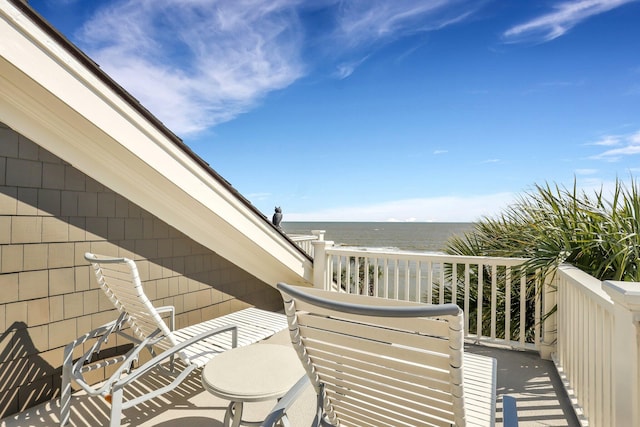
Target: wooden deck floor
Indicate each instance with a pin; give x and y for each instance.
(540, 399)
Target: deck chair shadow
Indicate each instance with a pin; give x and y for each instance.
(175, 353)
(375, 362)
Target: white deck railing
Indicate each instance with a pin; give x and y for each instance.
(305, 242)
(584, 352)
(597, 347)
(590, 328)
(483, 287)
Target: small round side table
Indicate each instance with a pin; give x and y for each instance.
(253, 373)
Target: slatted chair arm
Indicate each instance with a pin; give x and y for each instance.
(154, 362)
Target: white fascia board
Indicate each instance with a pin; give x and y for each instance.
(53, 99)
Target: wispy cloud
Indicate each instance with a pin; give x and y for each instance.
(197, 63)
(608, 141)
(345, 69)
(564, 17)
(436, 152)
(367, 24)
(625, 145)
(365, 21)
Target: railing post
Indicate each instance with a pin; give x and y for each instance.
(548, 321)
(318, 233)
(321, 261)
(626, 300)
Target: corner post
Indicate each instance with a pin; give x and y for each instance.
(321, 261)
(626, 300)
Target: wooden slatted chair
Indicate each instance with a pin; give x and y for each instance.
(141, 323)
(380, 362)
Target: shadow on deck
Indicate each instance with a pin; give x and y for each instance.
(532, 381)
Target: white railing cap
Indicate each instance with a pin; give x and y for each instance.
(625, 293)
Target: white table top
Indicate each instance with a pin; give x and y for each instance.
(253, 373)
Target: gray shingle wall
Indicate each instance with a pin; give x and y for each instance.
(50, 215)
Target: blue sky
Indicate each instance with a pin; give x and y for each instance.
(432, 110)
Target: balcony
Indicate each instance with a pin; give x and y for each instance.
(566, 345)
(521, 374)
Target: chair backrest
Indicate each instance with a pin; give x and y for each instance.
(120, 280)
(379, 362)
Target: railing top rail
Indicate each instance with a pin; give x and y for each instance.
(302, 237)
(587, 284)
(427, 256)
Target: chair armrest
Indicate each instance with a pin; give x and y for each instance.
(171, 309)
(283, 405)
(149, 365)
(509, 411)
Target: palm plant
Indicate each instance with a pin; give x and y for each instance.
(555, 225)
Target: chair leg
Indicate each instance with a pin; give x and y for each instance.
(116, 407)
(65, 392)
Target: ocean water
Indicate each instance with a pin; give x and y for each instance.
(411, 236)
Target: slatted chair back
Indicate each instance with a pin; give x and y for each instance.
(120, 280)
(379, 362)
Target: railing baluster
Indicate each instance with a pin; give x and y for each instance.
(348, 275)
(376, 276)
(441, 293)
(467, 285)
(607, 371)
(538, 299)
(523, 305)
(365, 285)
(407, 277)
(430, 282)
(418, 281)
(339, 273)
(480, 308)
(396, 278)
(494, 298)
(592, 355)
(454, 283)
(386, 277)
(507, 304)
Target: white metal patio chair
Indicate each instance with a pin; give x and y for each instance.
(141, 323)
(380, 362)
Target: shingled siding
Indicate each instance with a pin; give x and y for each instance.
(50, 215)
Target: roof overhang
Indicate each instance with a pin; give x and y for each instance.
(51, 94)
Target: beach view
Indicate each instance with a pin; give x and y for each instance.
(387, 235)
(406, 213)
